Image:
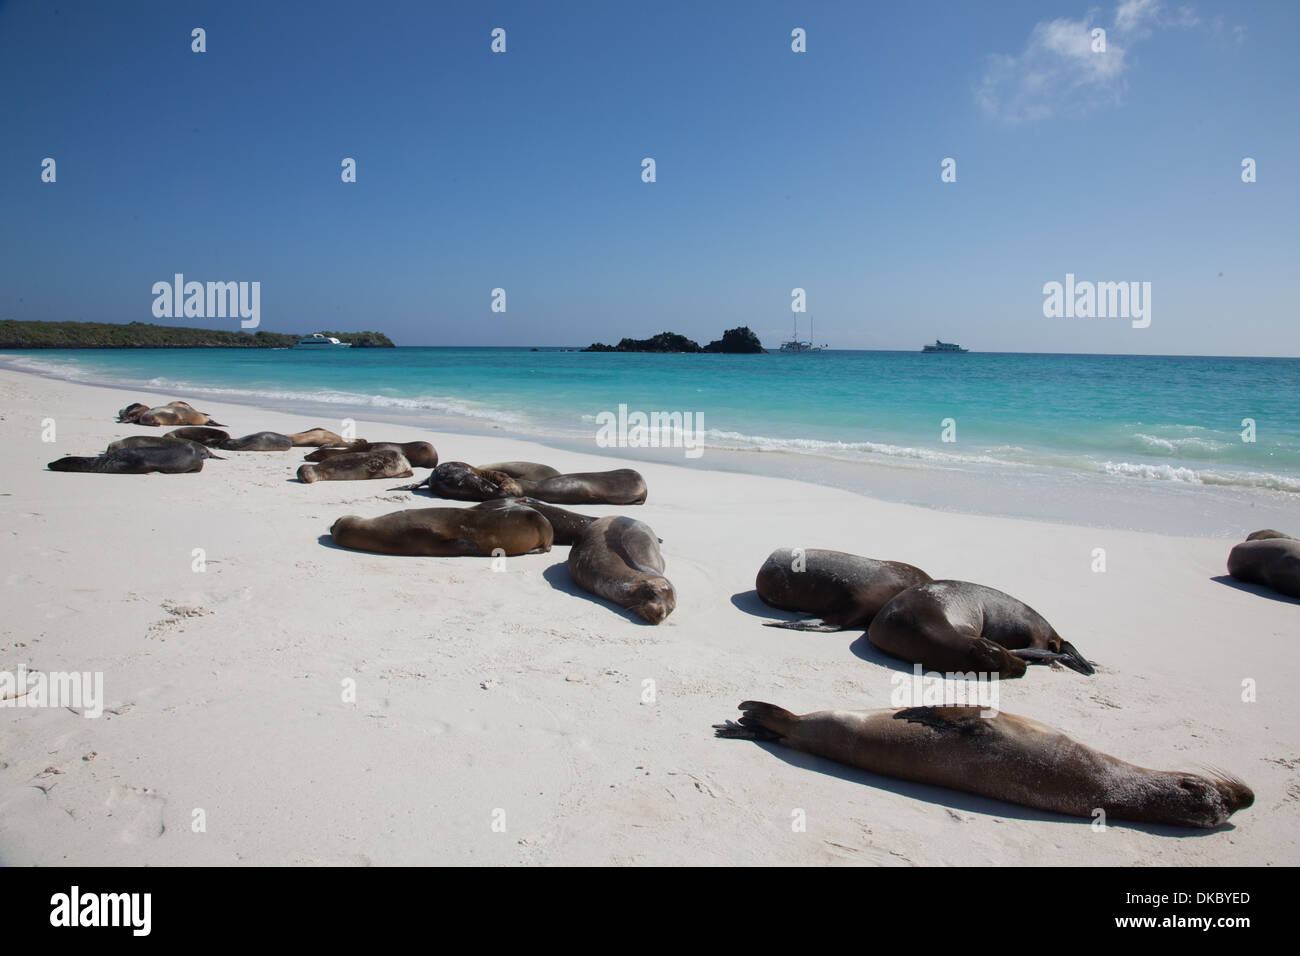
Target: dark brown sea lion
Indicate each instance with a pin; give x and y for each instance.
(174, 459)
(1273, 562)
(513, 529)
(622, 486)
(569, 526)
(844, 590)
(316, 436)
(959, 626)
(529, 470)
(259, 441)
(421, 454)
(175, 413)
(380, 464)
(139, 441)
(1004, 757)
(200, 434)
(1267, 533)
(618, 559)
(461, 482)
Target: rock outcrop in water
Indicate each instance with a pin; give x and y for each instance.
(740, 340)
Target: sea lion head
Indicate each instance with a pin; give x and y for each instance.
(307, 474)
(132, 412)
(653, 599)
(1190, 799)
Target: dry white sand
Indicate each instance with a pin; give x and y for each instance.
(509, 697)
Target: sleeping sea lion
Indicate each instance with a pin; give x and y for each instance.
(380, 464)
(844, 590)
(174, 459)
(421, 454)
(1273, 562)
(461, 482)
(1004, 757)
(258, 441)
(529, 470)
(138, 441)
(622, 486)
(958, 626)
(316, 436)
(618, 559)
(512, 529)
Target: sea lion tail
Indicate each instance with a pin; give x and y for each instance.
(760, 722)
(413, 487)
(1074, 660)
(808, 624)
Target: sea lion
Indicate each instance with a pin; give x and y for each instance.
(529, 470)
(176, 413)
(618, 559)
(959, 626)
(200, 434)
(569, 526)
(1273, 562)
(421, 454)
(132, 412)
(380, 464)
(316, 436)
(512, 529)
(1267, 533)
(171, 459)
(845, 590)
(139, 441)
(462, 482)
(258, 441)
(622, 486)
(1005, 757)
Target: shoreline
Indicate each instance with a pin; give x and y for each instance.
(1102, 502)
(479, 691)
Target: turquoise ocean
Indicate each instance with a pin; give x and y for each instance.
(1033, 433)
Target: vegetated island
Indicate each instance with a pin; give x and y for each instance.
(144, 335)
(740, 340)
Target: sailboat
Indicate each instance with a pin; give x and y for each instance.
(794, 345)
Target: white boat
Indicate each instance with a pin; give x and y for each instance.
(319, 340)
(794, 345)
(944, 347)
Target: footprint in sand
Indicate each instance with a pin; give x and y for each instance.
(135, 813)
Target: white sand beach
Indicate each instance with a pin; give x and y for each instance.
(512, 698)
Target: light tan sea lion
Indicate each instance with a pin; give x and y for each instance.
(511, 529)
(618, 559)
(569, 526)
(1003, 757)
(421, 454)
(1272, 561)
(380, 464)
(528, 470)
(176, 413)
(844, 590)
(316, 436)
(622, 486)
(957, 626)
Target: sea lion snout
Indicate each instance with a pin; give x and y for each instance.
(655, 600)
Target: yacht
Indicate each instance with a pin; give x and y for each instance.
(794, 345)
(943, 347)
(319, 340)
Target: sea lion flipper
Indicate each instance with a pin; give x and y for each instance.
(808, 624)
(962, 719)
(1067, 656)
(745, 731)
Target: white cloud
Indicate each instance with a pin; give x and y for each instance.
(1061, 72)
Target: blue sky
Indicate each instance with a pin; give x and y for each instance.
(775, 169)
